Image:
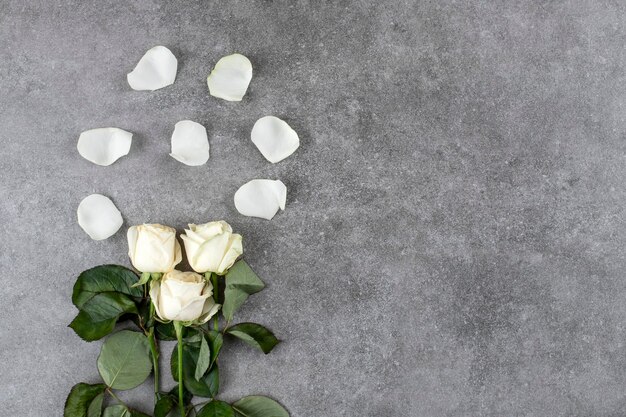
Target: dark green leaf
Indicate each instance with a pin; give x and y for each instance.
(124, 360)
(165, 404)
(216, 409)
(187, 396)
(215, 343)
(241, 281)
(174, 361)
(135, 413)
(117, 410)
(104, 278)
(193, 337)
(80, 399)
(143, 319)
(120, 410)
(254, 335)
(212, 380)
(208, 385)
(95, 408)
(99, 314)
(204, 359)
(259, 406)
(165, 331)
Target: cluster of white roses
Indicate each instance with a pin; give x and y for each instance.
(211, 248)
(182, 301)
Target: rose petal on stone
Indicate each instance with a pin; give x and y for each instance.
(105, 145)
(230, 78)
(261, 198)
(98, 216)
(275, 138)
(190, 143)
(156, 69)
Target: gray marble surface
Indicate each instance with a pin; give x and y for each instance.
(453, 243)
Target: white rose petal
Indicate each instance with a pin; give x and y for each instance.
(230, 78)
(156, 69)
(105, 145)
(190, 144)
(261, 198)
(98, 217)
(275, 138)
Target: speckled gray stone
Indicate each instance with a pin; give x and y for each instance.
(453, 243)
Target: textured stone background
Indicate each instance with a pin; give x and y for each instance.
(453, 243)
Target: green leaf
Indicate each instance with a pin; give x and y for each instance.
(80, 399)
(135, 413)
(145, 277)
(165, 331)
(120, 410)
(212, 380)
(143, 319)
(254, 335)
(193, 337)
(104, 278)
(207, 385)
(95, 408)
(99, 314)
(117, 410)
(124, 360)
(241, 281)
(215, 343)
(187, 396)
(168, 402)
(259, 406)
(204, 359)
(216, 408)
(164, 405)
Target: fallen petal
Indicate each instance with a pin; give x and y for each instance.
(190, 143)
(156, 69)
(261, 198)
(105, 145)
(230, 77)
(98, 216)
(275, 138)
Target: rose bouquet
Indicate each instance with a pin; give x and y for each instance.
(168, 304)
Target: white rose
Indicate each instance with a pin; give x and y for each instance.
(153, 248)
(183, 296)
(212, 247)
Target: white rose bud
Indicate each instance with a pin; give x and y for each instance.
(212, 247)
(183, 296)
(153, 248)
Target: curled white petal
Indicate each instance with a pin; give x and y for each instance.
(230, 78)
(261, 198)
(156, 69)
(190, 143)
(105, 145)
(275, 138)
(98, 216)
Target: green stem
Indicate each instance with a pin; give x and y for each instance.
(155, 354)
(178, 326)
(216, 294)
(110, 391)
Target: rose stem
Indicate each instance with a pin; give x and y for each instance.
(216, 294)
(155, 353)
(178, 326)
